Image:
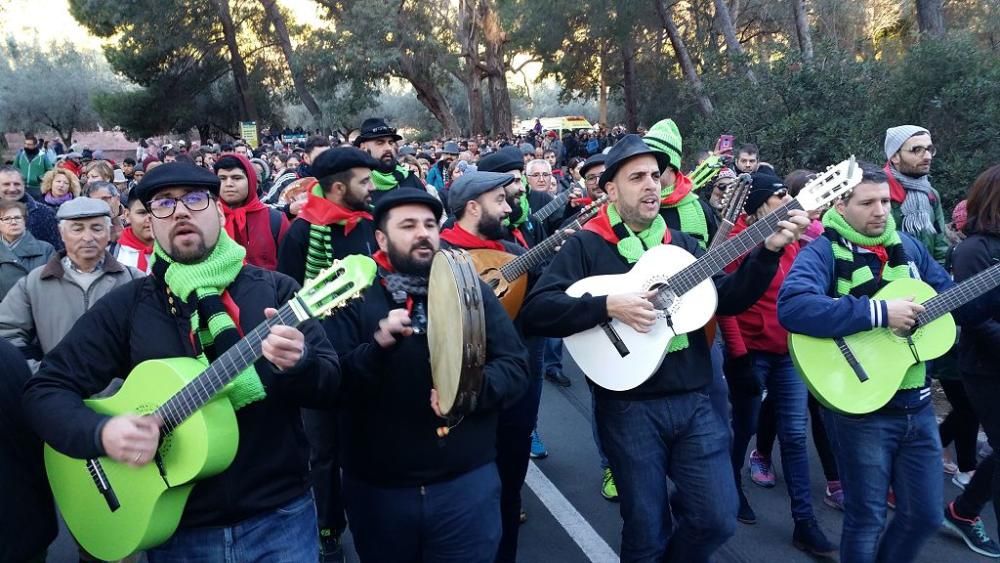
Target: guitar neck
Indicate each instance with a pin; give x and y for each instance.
(719, 257)
(960, 294)
(224, 369)
(551, 207)
(722, 233)
(537, 255)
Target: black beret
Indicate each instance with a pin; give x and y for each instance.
(336, 160)
(405, 196)
(175, 175)
(504, 160)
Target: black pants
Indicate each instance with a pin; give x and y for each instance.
(960, 426)
(324, 458)
(983, 393)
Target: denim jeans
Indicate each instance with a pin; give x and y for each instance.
(901, 449)
(593, 428)
(288, 534)
(678, 436)
(456, 521)
(552, 352)
(719, 390)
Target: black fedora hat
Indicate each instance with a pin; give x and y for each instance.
(375, 128)
(629, 147)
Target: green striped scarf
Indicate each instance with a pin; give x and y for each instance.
(691, 214)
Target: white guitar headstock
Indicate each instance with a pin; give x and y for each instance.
(835, 182)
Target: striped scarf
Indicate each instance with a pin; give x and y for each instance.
(215, 315)
(681, 198)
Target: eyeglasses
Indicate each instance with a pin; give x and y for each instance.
(591, 178)
(919, 150)
(12, 219)
(164, 207)
(537, 175)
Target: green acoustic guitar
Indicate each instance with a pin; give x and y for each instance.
(113, 509)
(858, 374)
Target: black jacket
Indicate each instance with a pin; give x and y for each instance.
(978, 342)
(27, 515)
(295, 245)
(388, 428)
(271, 464)
(548, 311)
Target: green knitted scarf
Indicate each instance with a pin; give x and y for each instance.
(385, 181)
(206, 280)
(855, 277)
(691, 214)
(631, 248)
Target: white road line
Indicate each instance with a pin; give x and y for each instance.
(593, 545)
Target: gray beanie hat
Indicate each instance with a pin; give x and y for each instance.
(896, 136)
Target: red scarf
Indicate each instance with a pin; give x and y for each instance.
(321, 211)
(519, 237)
(601, 224)
(896, 191)
(382, 259)
(457, 236)
(261, 247)
(129, 239)
(682, 187)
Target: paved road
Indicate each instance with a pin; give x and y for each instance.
(574, 524)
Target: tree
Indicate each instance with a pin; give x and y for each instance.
(495, 40)
(729, 33)
(683, 57)
(930, 19)
(802, 29)
(50, 87)
(471, 76)
(277, 20)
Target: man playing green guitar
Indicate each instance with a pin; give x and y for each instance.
(828, 294)
(198, 302)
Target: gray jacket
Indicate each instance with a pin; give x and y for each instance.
(43, 306)
(29, 254)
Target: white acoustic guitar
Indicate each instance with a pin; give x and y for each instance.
(617, 357)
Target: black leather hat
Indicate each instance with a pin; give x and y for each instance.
(629, 147)
(375, 128)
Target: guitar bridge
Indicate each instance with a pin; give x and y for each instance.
(616, 340)
(852, 360)
(103, 486)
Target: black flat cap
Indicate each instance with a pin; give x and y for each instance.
(504, 160)
(375, 128)
(474, 184)
(626, 149)
(594, 160)
(405, 196)
(175, 175)
(333, 161)
(763, 187)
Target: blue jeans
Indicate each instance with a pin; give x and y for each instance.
(901, 449)
(719, 390)
(456, 521)
(678, 436)
(552, 352)
(288, 534)
(593, 428)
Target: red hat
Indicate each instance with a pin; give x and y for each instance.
(960, 215)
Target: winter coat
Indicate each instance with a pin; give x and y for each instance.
(29, 254)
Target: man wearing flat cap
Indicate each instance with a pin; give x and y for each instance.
(437, 176)
(262, 503)
(412, 491)
(42, 307)
(335, 222)
(379, 140)
(524, 229)
(665, 427)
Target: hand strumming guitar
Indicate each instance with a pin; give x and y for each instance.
(634, 309)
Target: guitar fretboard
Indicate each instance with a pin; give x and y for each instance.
(960, 294)
(717, 258)
(543, 250)
(220, 372)
(551, 207)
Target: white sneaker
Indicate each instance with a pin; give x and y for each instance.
(962, 479)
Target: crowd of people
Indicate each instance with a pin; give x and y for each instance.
(183, 248)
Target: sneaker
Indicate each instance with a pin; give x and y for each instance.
(890, 499)
(962, 479)
(834, 497)
(761, 472)
(972, 532)
(810, 538)
(950, 467)
(538, 450)
(608, 488)
(745, 513)
(330, 550)
(558, 378)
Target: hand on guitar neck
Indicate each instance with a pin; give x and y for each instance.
(634, 309)
(131, 438)
(788, 230)
(903, 314)
(284, 345)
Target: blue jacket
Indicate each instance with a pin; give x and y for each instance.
(435, 177)
(807, 301)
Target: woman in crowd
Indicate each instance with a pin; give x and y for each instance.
(59, 185)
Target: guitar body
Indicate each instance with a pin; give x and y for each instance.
(883, 355)
(637, 355)
(150, 504)
(511, 293)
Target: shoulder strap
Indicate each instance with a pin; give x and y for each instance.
(275, 220)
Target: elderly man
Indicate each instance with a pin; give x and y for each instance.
(43, 306)
(41, 220)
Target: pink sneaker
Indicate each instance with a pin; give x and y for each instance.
(761, 472)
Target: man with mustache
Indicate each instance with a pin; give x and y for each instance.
(261, 505)
(410, 494)
(524, 229)
(43, 306)
(378, 139)
(916, 208)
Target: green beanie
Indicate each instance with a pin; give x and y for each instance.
(666, 138)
